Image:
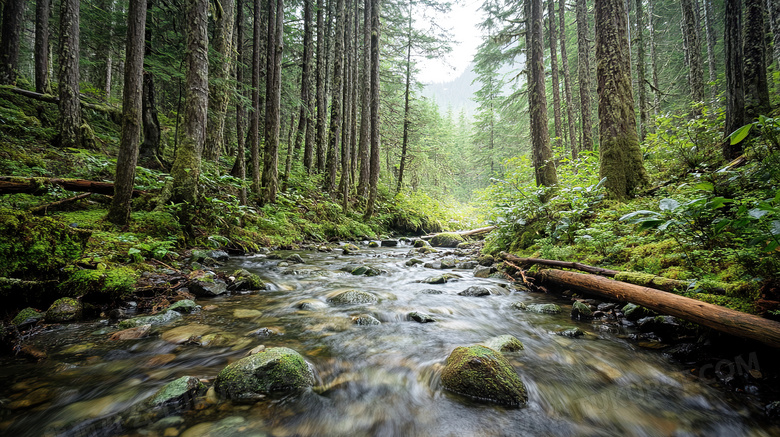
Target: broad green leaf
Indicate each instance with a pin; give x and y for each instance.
(651, 223)
(704, 186)
(668, 204)
(738, 135)
(718, 202)
(641, 212)
(757, 213)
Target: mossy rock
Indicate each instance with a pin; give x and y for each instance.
(475, 291)
(273, 370)
(447, 239)
(184, 306)
(373, 244)
(581, 311)
(27, 316)
(482, 373)
(441, 279)
(157, 319)
(486, 260)
(179, 391)
(425, 250)
(244, 280)
(413, 262)
(635, 312)
(571, 332)
(420, 317)
(37, 247)
(350, 297)
(504, 343)
(543, 308)
(64, 309)
(421, 243)
(101, 284)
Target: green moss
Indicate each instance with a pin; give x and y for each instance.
(447, 239)
(26, 315)
(101, 284)
(273, 370)
(482, 373)
(735, 303)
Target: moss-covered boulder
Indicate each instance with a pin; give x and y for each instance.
(482, 373)
(635, 312)
(504, 343)
(446, 239)
(350, 297)
(413, 262)
(373, 244)
(483, 272)
(205, 284)
(243, 280)
(37, 247)
(201, 256)
(475, 291)
(540, 308)
(157, 319)
(101, 284)
(420, 317)
(580, 311)
(349, 249)
(420, 243)
(26, 317)
(441, 279)
(184, 306)
(273, 370)
(172, 398)
(64, 310)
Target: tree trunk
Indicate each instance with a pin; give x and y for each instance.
(692, 47)
(709, 28)
(42, 78)
(567, 81)
(336, 101)
(365, 107)
(186, 167)
(654, 59)
(713, 316)
(774, 21)
(102, 55)
(219, 89)
(119, 212)
(306, 120)
(346, 129)
(68, 75)
(619, 152)
(150, 148)
(583, 73)
(39, 186)
(556, 88)
(756, 87)
(322, 112)
(239, 166)
(407, 117)
(355, 85)
(270, 179)
(374, 171)
(735, 82)
(640, 69)
(544, 166)
(254, 116)
(13, 13)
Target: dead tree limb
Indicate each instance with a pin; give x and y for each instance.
(713, 316)
(115, 113)
(468, 233)
(40, 210)
(39, 186)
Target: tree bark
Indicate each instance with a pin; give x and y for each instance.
(150, 148)
(219, 88)
(713, 316)
(692, 47)
(306, 120)
(640, 69)
(346, 104)
(556, 88)
(322, 111)
(735, 82)
(709, 28)
(334, 135)
(42, 77)
(620, 156)
(544, 167)
(13, 13)
(270, 179)
(407, 117)
(567, 81)
(754, 46)
(654, 59)
(39, 186)
(254, 116)
(774, 21)
(68, 75)
(239, 166)
(119, 212)
(365, 106)
(186, 167)
(583, 74)
(374, 160)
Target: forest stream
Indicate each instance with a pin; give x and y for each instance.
(371, 380)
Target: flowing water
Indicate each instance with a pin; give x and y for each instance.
(381, 380)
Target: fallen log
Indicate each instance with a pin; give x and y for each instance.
(468, 233)
(115, 113)
(39, 186)
(637, 278)
(42, 209)
(721, 319)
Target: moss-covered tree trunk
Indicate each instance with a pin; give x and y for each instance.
(334, 133)
(756, 87)
(552, 37)
(640, 68)
(365, 105)
(220, 87)
(186, 167)
(709, 29)
(42, 78)
(620, 155)
(569, 100)
(68, 75)
(270, 179)
(654, 57)
(374, 159)
(119, 212)
(13, 12)
(150, 148)
(544, 167)
(239, 166)
(735, 82)
(346, 127)
(692, 48)
(321, 138)
(583, 75)
(304, 137)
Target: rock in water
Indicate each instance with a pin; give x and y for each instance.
(349, 297)
(504, 343)
(446, 239)
(273, 370)
(580, 311)
(64, 310)
(476, 291)
(482, 373)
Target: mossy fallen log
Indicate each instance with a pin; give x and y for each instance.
(39, 186)
(114, 113)
(479, 231)
(721, 319)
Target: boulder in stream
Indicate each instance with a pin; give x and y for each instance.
(205, 284)
(483, 272)
(475, 291)
(184, 306)
(27, 317)
(413, 262)
(365, 320)
(244, 281)
(635, 312)
(446, 239)
(482, 373)
(420, 317)
(131, 333)
(157, 319)
(273, 370)
(441, 279)
(504, 343)
(64, 309)
(350, 297)
(170, 399)
(389, 243)
(540, 308)
(580, 311)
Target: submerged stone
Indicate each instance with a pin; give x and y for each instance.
(482, 373)
(348, 297)
(571, 332)
(420, 317)
(441, 279)
(311, 305)
(157, 319)
(131, 333)
(504, 343)
(273, 370)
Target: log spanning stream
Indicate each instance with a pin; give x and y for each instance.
(371, 380)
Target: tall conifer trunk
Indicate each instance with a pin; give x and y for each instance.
(270, 179)
(735, 81)
(544, 166)
(640, 68)
(219, 89)
(68, 75)
(556, 89)
(334, 135)
(567, 81)
(374, 172)
(13, 12)
(583, 73)
(42, 78)
(365, 106)
(754, 46)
